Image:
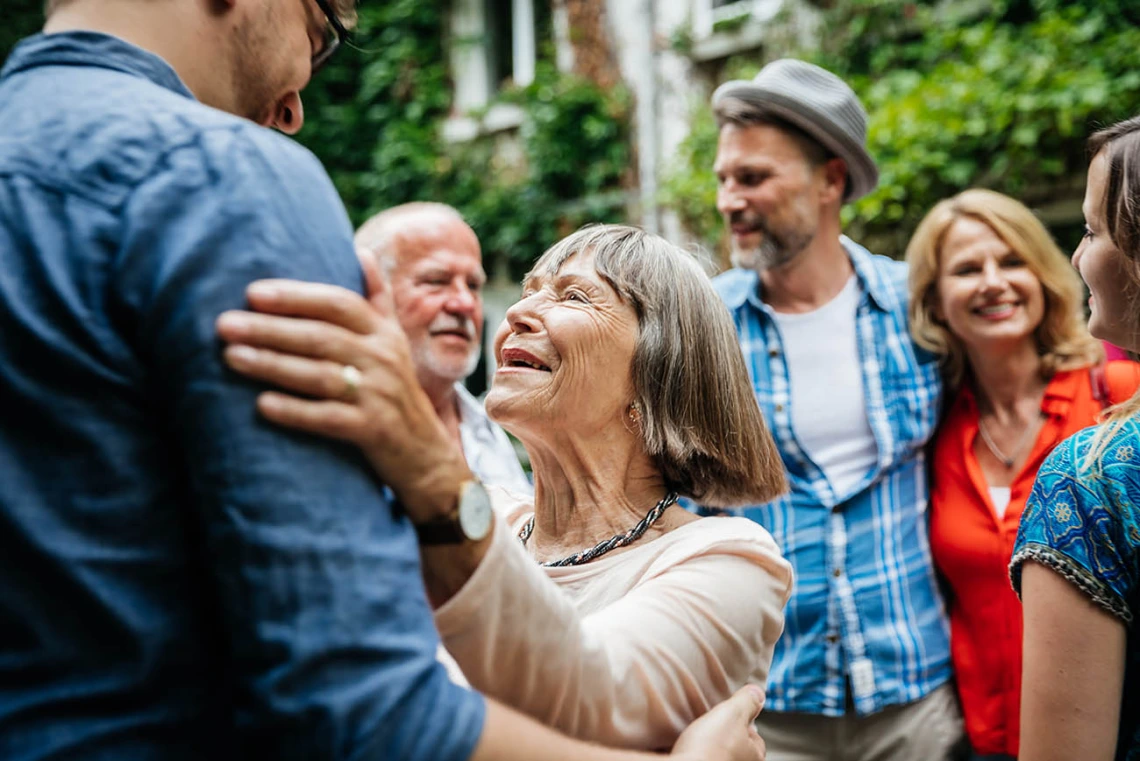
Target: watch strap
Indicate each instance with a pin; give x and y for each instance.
(443, 530)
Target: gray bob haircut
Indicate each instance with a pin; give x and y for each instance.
(699, 418)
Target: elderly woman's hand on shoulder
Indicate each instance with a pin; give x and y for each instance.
(726, 733)
(351, 360)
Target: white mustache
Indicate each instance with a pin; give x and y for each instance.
(449, 322)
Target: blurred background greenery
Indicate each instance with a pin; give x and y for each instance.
(1000, 94)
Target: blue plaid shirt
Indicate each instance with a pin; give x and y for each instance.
(866, 609)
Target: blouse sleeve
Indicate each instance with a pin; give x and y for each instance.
(634, 674)
(1081, 520)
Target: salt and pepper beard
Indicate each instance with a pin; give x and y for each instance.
(773, 252)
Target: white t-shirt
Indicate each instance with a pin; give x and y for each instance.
(999, 495)
(488, 451)
(829, 411)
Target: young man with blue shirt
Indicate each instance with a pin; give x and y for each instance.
(179, 580)
(862, 670)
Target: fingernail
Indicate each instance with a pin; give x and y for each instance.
(262, 290)
(234, 322)
(241, 355)
(756, 692)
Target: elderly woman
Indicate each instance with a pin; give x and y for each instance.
(620, 373)
(1076, 561)
(993, 295)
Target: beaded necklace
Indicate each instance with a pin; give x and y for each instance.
(620, 540)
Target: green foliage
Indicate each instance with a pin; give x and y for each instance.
(998, 95)
(575, 141)
(18, 19)
(372, 115)
(376, 119)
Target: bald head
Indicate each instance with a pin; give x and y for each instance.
(432, 258)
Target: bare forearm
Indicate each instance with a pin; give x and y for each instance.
(511, 736)
(1073, 672)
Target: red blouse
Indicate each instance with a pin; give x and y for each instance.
(972, 548)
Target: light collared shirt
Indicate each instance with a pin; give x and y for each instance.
(180, 579)
(488, 451)
(865, 609)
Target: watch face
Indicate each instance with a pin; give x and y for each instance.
(475, 513)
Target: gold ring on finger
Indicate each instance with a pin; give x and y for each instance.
(352, 378)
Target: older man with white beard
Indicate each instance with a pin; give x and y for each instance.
(434, 262)
(862, 670)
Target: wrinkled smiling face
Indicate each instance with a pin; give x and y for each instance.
(987, 293)
(565, 355)
(765, 192)
(437, 286)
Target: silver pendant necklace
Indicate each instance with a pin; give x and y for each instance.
(1001, 456)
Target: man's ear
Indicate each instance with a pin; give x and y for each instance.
(835, 180)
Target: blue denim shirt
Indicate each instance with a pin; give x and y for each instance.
(179, 579)
(865, 609)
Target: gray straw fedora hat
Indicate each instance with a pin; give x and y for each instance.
(819, 103)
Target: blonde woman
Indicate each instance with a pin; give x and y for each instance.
(995, 298)
(1077, 559)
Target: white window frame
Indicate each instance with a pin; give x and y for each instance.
(469, 56)
(705, 17)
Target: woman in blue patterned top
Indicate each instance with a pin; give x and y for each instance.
(1076, 563)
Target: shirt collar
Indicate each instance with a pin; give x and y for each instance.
(469, 408)
(745, 285)
(92, 49)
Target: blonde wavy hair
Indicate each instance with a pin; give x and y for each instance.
(1063, 341)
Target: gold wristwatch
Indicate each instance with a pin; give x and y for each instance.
(469, 521)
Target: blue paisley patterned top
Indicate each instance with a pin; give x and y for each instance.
(1085, 524)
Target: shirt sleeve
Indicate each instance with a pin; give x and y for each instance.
(312, 581)
(1081, 520)
(701, 623)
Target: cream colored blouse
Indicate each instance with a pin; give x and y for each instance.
(628, 649)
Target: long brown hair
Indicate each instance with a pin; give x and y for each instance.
(1120, 144)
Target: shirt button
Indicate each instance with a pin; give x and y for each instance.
(779, 408)
(832, 639)
(837, 572)
(773, 352)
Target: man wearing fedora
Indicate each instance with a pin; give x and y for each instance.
(863, 668)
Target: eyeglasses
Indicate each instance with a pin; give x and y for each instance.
(334, 36)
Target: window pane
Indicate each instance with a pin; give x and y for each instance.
(500, 60)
